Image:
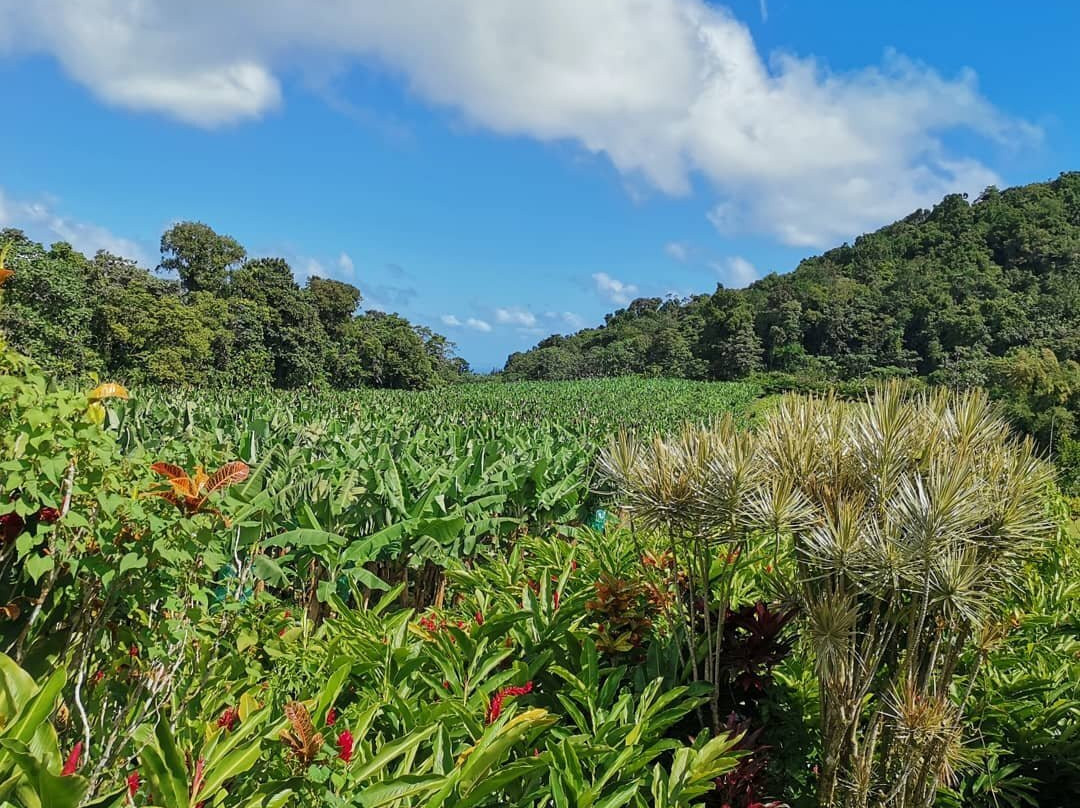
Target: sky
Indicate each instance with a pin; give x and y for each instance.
(501, 170)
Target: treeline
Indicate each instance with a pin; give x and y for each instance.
(984, 293)
(210, 315)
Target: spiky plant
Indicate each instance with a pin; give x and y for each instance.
(907, 517)
(916, 515)
(699, 489)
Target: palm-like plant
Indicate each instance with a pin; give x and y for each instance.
(700, 489)
(908, 519)
(915, 515)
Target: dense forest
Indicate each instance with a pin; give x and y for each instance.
(210, 315)
(984, 293)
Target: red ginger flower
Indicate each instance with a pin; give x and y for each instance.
(133, 783)
(71, 765)
(228, 718)
(345, 746)
(495, 708)
(331, 717)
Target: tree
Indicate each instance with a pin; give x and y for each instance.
(199, 256)
(48, 305)
(382, 350)
(294, 334)
(335, 302)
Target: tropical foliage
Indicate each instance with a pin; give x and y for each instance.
(533, 595)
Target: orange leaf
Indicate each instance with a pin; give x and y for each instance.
(198, 482)
(108, 390)
(168, 496)
(168, 470)
(229, 474)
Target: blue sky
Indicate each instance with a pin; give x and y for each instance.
(501, 170)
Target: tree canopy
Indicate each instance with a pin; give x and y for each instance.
(210, 315)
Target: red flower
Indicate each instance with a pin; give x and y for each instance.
(48, 515)
(71, 765)
(495, 708)
(446, 684)
(429, 625)
(479, 617)
(281, 633)
(331, 717)
(133, 651)
(228, 718)
(11, 525)
(133, 782)
(287, 614)
(98, 676)
(555, 598)
(345, 746)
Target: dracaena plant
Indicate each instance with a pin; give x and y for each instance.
(697, 489)
(909, 520)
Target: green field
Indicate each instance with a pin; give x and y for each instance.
(593, 593)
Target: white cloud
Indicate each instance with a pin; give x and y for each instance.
(306, 267)
(516, 316)
(665, 89)
(736, 271)
(566, 317)
(345, 263)
(478, 325)
(40, 221)
(677, 250)
(472, 322)
(613, 289)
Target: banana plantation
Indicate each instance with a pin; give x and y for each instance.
(578, 595)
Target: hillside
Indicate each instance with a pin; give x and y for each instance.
(965, 293)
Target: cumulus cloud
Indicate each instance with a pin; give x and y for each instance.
(613, 289)
(677, 250)
(666, 90)
(478, 325)
(40, 220)
(472, 322)
(515, 316)
(736, 271)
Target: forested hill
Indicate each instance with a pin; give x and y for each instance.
(963, 293)
(211, 316)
